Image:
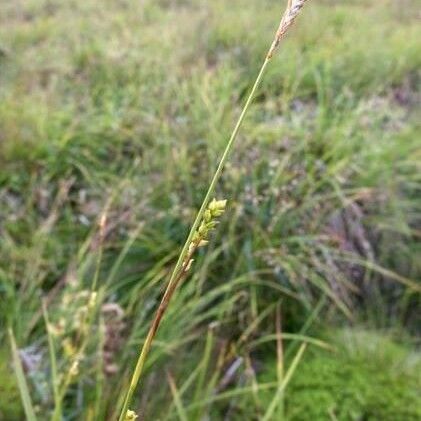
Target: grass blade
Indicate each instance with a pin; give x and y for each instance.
(278, 395)
(23, 386)
(177, 399)
(53, 362)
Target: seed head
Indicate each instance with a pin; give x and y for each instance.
(217, 207)
(130, 415)
(200, 238)
(74, 369)
(92, 299)
(293, 9)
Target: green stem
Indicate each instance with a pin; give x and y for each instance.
(175, 274)
(54, 377)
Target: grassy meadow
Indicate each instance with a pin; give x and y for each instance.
(305, 304)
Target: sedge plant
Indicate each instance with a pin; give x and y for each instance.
(206, 218)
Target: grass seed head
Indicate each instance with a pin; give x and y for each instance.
(130, 415)
(215, 209)
(293, 9)
(74, 369)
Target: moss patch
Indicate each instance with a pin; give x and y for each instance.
(369, 378)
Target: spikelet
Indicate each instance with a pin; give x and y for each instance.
(200, 238)
(215, 209)
(293, 9)
(130, 415)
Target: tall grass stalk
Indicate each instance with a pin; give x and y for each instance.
(291, 12)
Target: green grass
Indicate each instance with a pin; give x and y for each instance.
(10, 403)
(368, 377)
(128, 105)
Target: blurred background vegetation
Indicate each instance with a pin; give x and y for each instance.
(123, 107)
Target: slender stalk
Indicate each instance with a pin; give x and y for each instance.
(54, 376)
(280, 359)
(178, 272)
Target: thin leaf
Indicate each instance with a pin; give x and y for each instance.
(23, 386)
(278, 395)
(177, 399)
(53, 362)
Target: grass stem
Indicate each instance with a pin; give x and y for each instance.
(178, 271)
